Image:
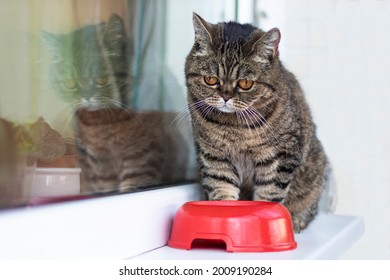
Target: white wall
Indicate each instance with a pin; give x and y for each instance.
(339, 50)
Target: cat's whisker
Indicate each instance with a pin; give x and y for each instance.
(201, 114)
(203, 108)
(110, 114)
(121, 104)
(238, 116)
(66, 119)
(258, 120)
(262, 121)
(260, 117)
(209, 109)
(103, 101)
(199, 105)
(185, 113)
(248, 116)
(110, 103)
(243, 108)
(242, 118)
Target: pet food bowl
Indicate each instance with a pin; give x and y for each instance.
(244, 226)
(53, 182)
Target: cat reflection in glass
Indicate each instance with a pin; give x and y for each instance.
(118, 148)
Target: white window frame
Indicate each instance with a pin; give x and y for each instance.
(112, 227)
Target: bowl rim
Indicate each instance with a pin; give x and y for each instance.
(57, 170)
(231, 203)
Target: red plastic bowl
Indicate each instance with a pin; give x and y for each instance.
(244, 226)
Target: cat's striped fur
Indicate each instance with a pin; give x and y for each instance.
(253, 144)
(121, 149)
(118, 149)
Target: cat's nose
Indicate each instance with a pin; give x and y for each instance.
(226, 97)
(227, 92)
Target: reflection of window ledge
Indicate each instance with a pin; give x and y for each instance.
(128, 225)
(113, 227)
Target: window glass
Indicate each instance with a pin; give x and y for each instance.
(93, 99)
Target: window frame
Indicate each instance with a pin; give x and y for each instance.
(110, 227)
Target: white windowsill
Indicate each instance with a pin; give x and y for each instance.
(327, 237)
(137, 226)
(113, 227)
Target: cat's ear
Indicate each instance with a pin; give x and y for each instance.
(115, 30)
(266, 45)
(203, 35)
(52, 41)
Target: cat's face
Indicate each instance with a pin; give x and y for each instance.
(89, 67)
(230, 66)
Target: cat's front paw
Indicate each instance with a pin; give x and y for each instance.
(221, 196)
(123, 187)
(227, 192)
(218, 198)
(298, 224)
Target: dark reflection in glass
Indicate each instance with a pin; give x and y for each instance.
(93, 98)
(118, 148)
(16, 169)
(90, 65)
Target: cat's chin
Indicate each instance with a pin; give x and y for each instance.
(90, 108)
(96, 106)
(93, 108)
(226, 109)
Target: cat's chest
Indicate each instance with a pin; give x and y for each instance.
(243, 149)
(244, 166)
(235, 141)
(103, 141)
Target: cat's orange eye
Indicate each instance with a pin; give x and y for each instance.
(245, 84)
(69, 84)
(102, 80)
(211, 80)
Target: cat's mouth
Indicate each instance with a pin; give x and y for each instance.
(95, 104)
(226, 109)
(225, 106)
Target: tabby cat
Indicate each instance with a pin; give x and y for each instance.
(253, 130)
(122, 150)
(118, 148)
(90, 66)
